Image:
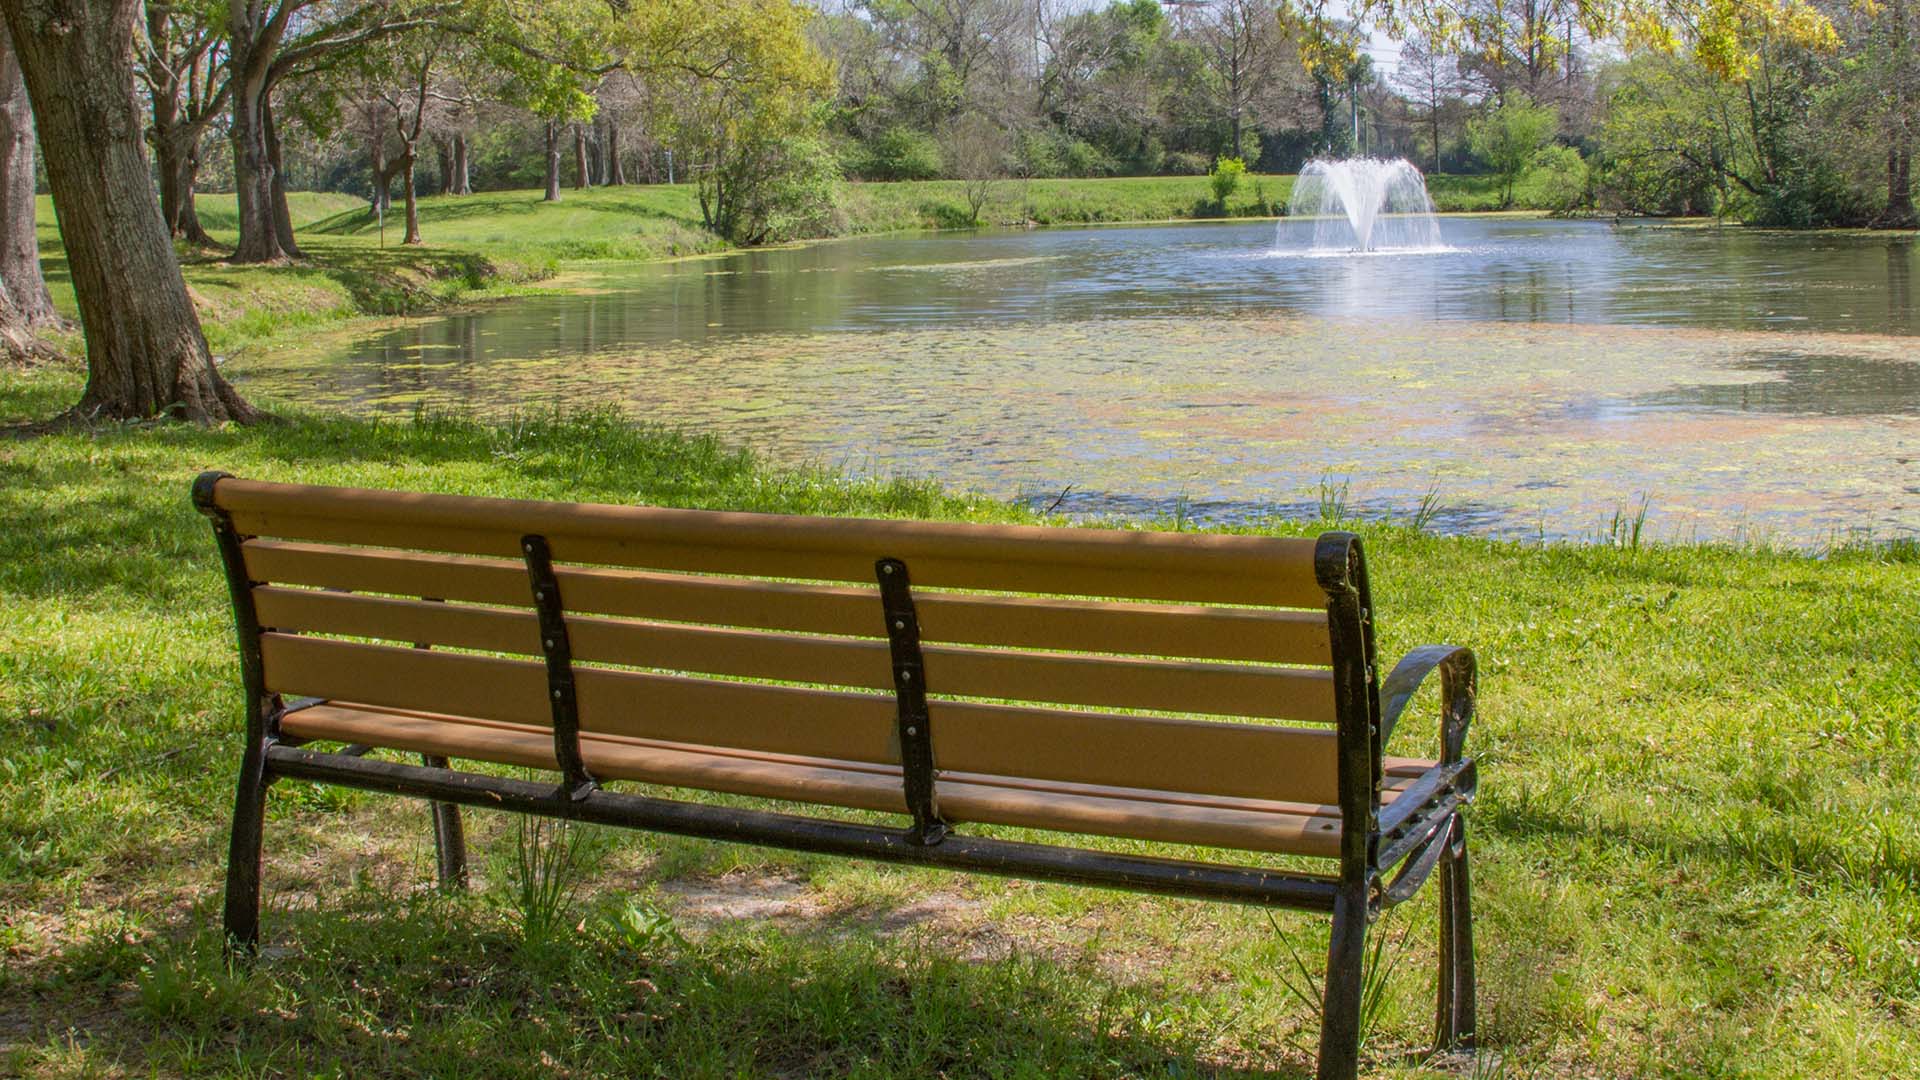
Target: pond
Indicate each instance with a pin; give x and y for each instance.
(1534, 379)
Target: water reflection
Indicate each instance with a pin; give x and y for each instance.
(1803, 384)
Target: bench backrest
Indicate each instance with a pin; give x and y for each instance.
(766, 632)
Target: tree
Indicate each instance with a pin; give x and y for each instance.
(408, 105)
(146, 355)
(1244, 51)
(554, 54)
(976, 154)
(182, 63)
(1432, 81)
(744, 97)
(267, 40)
(1724, 35)
(25, 305)
(1508, 138)
(1877, 91)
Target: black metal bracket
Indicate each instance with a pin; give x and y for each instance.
(910, 690)
(263, 709)
(578, 781)
(1341, 569)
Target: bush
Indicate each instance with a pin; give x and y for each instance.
(1508, 138)
(1225, 178)
(1810, 194)
(1038, 154)
(902, 153)
(1081, 158)
(1183, 163)
(1557, 180)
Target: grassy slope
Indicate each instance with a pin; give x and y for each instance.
(340, 280)
(1698, 850)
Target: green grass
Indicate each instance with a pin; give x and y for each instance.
(931, 204)
(1697, 850)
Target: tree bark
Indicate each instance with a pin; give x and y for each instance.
(25, 305)
(176, 154)
(1900, 213)
(581, 177)
(252, 164)
(443, 161)
(146, 355)
(553, 161)
(462, 182)
(616, 172)
(377, 164)
(413, 203)
(277, 185)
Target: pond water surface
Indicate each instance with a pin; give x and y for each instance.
(1537, 378)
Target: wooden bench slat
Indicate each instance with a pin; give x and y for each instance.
(1283, 636)
(1238, 760)
(1296, 829)
(1034, 559)
(1277, 693)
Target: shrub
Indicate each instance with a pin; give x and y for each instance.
(1225, 178)
(1508, 138)
(902, 153)
(1558, 180)
(1081, 158)
(1184, 163)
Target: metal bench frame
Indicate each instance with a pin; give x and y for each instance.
(1421, 830)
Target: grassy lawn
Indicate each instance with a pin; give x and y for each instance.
(1698, 851)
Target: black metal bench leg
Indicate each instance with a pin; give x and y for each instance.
(1454, 1019)
(243, 852)
(449, 837)
(1346, 956)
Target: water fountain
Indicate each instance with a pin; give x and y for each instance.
(1362, 204)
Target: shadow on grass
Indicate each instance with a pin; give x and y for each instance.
(425, 984)
(1750, 838)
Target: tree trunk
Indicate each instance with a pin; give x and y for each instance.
(25, 305)
(616, 170)
(1435, 121)
(177, 161)
(377, 164)
(146, 355)
(413, 203)
(252, 164)
(462, 183)
(277, 188)
(581, 177)
(1900, 213)
(553, 161)
(443, 161)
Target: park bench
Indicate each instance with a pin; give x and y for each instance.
(1208, 691)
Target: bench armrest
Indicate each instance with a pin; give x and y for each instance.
(1458, 680)
(1414, 823)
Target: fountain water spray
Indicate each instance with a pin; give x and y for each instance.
(1365, 204)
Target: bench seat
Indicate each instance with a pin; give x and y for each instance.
(1285, 828)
